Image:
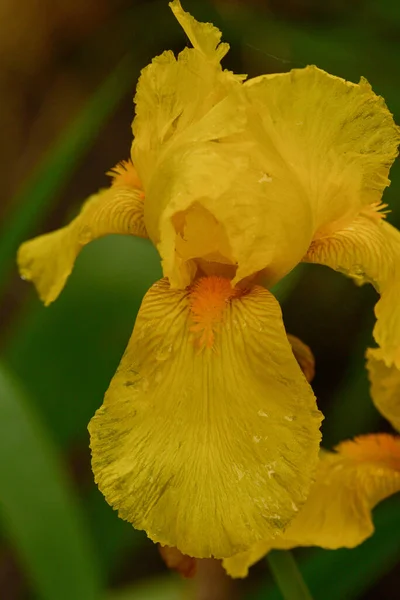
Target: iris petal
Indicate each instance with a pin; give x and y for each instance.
(203, 36)
(338, 511)
(207, 439)
(385, 386)
(336, 137)
(48, 260)
(368, 250)
(178, 101)
(275, 162)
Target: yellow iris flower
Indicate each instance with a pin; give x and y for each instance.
(208, 438)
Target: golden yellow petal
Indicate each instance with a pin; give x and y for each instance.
(209, 433)
(368, 250)
(349, 484)
(188, 114)
(338, 511)
(183, 100)
(48, 260)
(271, 163)
(337, 138)
(238, 566)
(203, 36)
(385, 386)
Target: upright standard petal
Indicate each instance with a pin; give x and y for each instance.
(338, 511)
(178, 100)
(49, 259)
(385, 386)
(209, 433)
(204, 36)
(183, 106)
(195, 153)
(271, 163)
(368, 250)
(337, 138)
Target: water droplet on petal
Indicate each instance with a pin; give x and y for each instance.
(265, 178)
(261, 413)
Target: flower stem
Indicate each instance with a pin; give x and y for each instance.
(212, 581)
(287, 575)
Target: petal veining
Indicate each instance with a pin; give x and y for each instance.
(275, 162)
(368, 250)
(338, 138)
(193, 148)
(338, 512)
(207, 449)
(48, 260)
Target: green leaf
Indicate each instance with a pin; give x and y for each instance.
(286, 286)
(287, 575)
(38, 508)
(352, 412)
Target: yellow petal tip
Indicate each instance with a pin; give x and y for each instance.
(204, 37)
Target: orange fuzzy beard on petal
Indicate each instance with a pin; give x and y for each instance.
(209, 297)
(376, 211)
(124, 173)
(381, 447)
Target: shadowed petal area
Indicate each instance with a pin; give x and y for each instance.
(176, 561)
(209, 433)
(338, 511)
(48, 260)
(385, 386)
(304, 357)
(368, 250)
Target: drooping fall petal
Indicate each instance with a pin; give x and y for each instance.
(48, 260)
(208, 436)
(368, 250)
(338, 511)
(385, 386)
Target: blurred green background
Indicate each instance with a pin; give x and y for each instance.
(69, 70)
